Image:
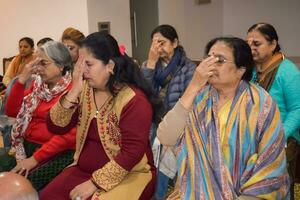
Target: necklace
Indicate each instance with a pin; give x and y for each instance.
(99, 109)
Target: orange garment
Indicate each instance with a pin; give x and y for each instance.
(15, 68)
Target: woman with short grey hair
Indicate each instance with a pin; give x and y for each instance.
(31, 142)
(57, 52)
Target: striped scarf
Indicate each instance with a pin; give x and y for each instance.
(250, 161)
(266, 75)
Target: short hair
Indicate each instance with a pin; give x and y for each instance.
(59, 53)
(241, 53)
(28, 40)
(73, 34)
(43, 41)
(268, 32)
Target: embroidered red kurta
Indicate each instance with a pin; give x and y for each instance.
(134, 124)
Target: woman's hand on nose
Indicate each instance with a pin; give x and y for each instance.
(153, 54)
(77, 78)
(28, 70)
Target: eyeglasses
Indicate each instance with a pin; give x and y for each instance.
(43, 63)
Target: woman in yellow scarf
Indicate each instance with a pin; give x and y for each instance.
(26, 49)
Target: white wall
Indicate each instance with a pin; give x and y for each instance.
(196, 24)
(239, 15)
(117, 12)
(38, 19)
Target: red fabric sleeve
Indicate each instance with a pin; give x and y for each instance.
(15, 99)
(135, 122)
(55, 145)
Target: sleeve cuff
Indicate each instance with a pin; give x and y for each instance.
(148, 71)
(38, 157)
(61, 116)
(109, 176)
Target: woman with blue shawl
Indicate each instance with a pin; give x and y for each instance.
(227, 130)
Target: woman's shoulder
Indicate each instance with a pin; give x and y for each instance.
(130, 97)
(258, 92)
(287, 67)
(288, 73)
(187, 64)
(130, 92)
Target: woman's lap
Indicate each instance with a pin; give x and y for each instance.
(61, 185)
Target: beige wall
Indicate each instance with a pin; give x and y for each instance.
(239, 15)
(117, 13)
(38, 19)
(197, 24)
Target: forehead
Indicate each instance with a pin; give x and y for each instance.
(69, 43)
(86, 53)
(255, 35)
(24, 43)
(221, 48)
(158, 36)
(42, 54)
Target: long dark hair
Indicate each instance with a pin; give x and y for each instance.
(241, 53)
(104, 47)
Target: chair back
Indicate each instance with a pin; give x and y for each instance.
(6, 62)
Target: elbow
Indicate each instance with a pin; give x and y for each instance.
(165, 139)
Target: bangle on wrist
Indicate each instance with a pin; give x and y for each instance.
(71, 102)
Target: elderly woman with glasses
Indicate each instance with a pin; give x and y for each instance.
(31, 142)
(227, 130)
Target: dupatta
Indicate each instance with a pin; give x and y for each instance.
(251, 160)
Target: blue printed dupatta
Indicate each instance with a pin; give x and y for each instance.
(251, 161)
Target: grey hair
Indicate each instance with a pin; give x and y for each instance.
(59, 53)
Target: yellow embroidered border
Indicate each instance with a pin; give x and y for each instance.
(109, 176)
(61, 116)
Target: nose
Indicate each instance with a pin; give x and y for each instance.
(39, 68)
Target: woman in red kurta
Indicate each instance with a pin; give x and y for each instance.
(30, 108)
(113, 113)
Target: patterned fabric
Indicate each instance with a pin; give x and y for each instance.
(43, 174)
(107, 121)
(113, 176)
(250, 161)
(30, 103)
(109, 176)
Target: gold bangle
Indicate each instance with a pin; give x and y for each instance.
(71, 102)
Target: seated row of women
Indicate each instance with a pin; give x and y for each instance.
(226, 130)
